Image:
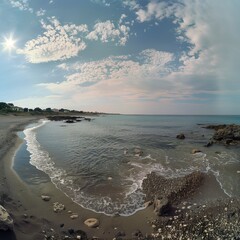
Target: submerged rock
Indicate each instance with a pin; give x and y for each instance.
(6, 222)
(180, 136)
(92, 222)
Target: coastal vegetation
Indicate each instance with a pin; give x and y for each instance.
(10, 108)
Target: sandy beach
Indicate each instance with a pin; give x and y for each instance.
(34, 219)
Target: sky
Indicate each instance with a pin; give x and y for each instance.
(121, 56)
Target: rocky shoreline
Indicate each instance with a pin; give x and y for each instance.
(170, 212)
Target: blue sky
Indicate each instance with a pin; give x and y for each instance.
(123, 56)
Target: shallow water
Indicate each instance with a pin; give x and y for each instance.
(95, 163)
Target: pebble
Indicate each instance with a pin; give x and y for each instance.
(78, 237)
(92, 222)
(45, 198)
(74, 216)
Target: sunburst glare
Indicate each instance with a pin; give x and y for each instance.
(9, 43)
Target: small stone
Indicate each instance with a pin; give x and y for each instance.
(71, 231)
(62, 225)
(74, 216)
(238, 171)
(109, 178)
(225, 209)
(92, 222)
(196, 151)
(78, 237)
(154, 226)
(69, 212)
(58, 207)
(45, 198)
(25, 215)
(147, 204)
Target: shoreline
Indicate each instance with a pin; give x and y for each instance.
(35, 218)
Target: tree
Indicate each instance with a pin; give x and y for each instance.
(4, 106)
(48, 110)
(37, 109)
(25, 109)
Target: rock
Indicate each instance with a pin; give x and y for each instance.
(196, 151)
(74, 216)
(58, 207)
(161, 206)
(226, 133)
(148, 203)
(92, 222)
(138, 152)
(180, 136)
(45, 198)
(209, 144)
(61, 225)
(6, 222)
(137, 234)
(71, 231)
(120, 234)
(173, 189)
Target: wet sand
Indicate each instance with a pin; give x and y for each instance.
(34, 219)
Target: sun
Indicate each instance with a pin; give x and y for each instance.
(9, 43)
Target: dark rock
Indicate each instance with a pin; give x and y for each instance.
(209, 144)
(162, 206)
(180, 136)
(82, 234)
(226, 133)
(137, 234)
(120, 234)
(71, 231)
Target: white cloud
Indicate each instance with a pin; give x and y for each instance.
(121, 74)
(108, 32)
(58, 42)
(21, 4)
(132, 4)
(41, 12)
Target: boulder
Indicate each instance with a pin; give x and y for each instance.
(92, 222)
(161, 206)
(180, 136)
(45, 198)
(58, 207)
(6, 222)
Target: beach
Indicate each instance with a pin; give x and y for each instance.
(34, 218)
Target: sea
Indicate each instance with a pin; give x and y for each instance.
(97, 163)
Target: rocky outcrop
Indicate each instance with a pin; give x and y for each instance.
(68, 119)
(172, 190)
(227, 134)
(6, 222)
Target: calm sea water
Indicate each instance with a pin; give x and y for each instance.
(95, 162)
